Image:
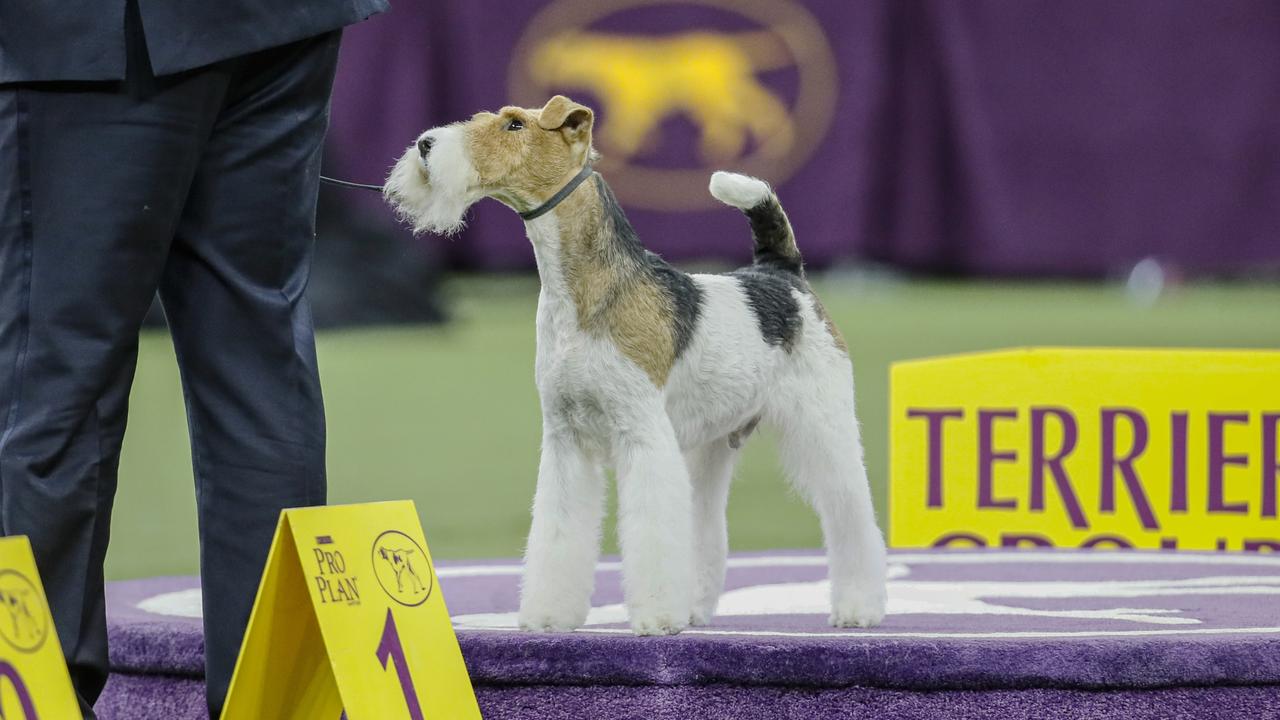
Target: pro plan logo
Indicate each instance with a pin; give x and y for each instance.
(402, 568)
(24, 622)
(683, 87)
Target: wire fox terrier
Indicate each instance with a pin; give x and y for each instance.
(658, 374)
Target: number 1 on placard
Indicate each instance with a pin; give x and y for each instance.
(391, 649)
(24, 698)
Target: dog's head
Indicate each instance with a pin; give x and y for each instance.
(519, 156)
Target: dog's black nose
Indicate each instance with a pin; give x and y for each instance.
(424, 146)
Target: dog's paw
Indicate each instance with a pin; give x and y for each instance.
(703, 611)
(700, 617)
(550, 622)
(859, 609)
(658, 624)
(547, 625)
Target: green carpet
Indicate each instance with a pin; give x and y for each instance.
(449, 416)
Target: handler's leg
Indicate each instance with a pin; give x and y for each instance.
(92, 180)
(234, 295)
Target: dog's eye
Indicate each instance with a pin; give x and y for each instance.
(515, 125)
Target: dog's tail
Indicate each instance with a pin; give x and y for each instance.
(775, 241)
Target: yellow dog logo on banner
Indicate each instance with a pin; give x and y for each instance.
(709, 78)
(730, 85)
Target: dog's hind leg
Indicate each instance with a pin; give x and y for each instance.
(654, 527)
(710, 472)
(564, 540)
(822, 452)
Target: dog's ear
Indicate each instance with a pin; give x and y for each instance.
(561, 113)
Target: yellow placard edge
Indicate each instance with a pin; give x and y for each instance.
(282, 556)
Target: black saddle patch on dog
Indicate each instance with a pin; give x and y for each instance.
(769, 293)
(686, 298)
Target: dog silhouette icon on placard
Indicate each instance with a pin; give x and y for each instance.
(401, 562)
(402, 567)
(22, 622)
(20, 617)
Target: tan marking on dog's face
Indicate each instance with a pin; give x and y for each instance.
(524, 155)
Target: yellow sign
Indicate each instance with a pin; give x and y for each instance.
(34, 683)
(1086, 448)
(350, 615)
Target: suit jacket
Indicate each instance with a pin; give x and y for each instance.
(84, 39)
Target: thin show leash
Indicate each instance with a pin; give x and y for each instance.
(349, 184)
(542, 209)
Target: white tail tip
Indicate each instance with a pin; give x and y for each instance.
(740, 191)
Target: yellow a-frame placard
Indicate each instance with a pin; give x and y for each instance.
(350, 615)
(34, 683)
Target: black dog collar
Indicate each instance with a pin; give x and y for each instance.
(560, 195)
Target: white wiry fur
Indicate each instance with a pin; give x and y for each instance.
(740, 191)
(434, 193)
(671, 451)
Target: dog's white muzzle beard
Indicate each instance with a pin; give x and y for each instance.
(434, 196)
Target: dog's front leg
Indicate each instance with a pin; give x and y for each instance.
(654, 529)
(564, 540)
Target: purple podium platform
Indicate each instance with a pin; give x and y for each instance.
(1063, 634)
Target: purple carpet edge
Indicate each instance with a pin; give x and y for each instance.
(889, 665)
(500, 659)
(148, 697)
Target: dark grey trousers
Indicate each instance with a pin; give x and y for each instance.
(201, 186)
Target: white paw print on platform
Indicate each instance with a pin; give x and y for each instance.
(950, 597)
(908, 597)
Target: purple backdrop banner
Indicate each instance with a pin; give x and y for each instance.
(998, 137)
